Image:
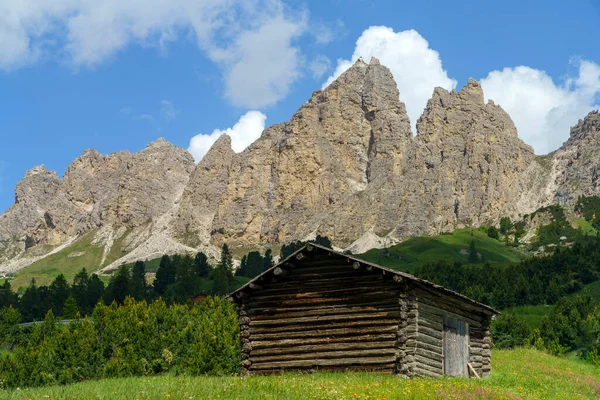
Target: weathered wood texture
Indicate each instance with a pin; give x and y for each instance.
(323, 314)
(323, 311)
(430, 340)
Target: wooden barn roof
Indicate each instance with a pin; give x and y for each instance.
(310, 248)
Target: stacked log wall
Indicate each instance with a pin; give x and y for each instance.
(433, 306)
(325, 314)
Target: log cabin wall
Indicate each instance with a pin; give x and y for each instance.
(432, 307)
(323, 310)
(323, 313)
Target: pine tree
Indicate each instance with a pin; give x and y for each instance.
(186, 281)
(95, 292)
(59, 291)
(165, 275)
(227, 262)
(220, 281)
(7, 297)
(119, 286)
(70, 308)
(267, 260)
(139, 286)
(30, 304)
(254, 264)
(202, 266)
(243, 269)
(79, 289)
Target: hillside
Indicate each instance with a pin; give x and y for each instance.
(517, 374)
(452, 247)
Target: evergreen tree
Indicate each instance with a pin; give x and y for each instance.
(243, 269)
(119, 286)
(220, 281)
(323, 241)
(186, 281)
(165, 275)
(226, 262)
(59, 292)
(139, 287)
(70, 308)
(95, 292)
(30, 304)
(7, 297)
(267, 260)
(202, 265)
(79, 289)
(505, 225)
(255, 264)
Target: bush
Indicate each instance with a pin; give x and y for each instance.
(136, 338)
(509, 330)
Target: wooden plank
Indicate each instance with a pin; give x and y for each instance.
(434, 333)
(387, 302)
(443, 310)
(326, 332)
(317, 348)
(436, 366)
(339, 310)
(324, 362)
(326, 291)
(326, 318)
(426, 373)
(382, 368)
(316, 341)
(429, 354)
(322, 355)
(348, 298)
(374, 323)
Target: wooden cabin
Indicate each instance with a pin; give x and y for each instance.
(324, 310)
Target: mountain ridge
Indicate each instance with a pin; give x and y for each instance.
(346, 165)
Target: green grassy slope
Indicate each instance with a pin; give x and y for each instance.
(80, 254)
(516, 374)
(410, 254)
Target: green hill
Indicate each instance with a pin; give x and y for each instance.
(516, 374)
(414, 252)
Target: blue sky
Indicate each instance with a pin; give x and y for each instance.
(115, 75)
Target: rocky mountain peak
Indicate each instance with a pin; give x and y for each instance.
(586, 129)
(472, 92)
(38, 169)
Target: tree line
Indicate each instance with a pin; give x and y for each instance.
(537, 280)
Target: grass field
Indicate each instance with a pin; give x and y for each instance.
(516, 374)
(64, 261)
(410, 254)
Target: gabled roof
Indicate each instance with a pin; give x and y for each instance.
(351, 260)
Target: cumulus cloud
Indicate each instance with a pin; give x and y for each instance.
(543, 110)
(243, 133)
(416, 67)
(252, 40)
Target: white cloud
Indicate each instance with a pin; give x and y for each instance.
(542, 110)
(319, 66)
(261, 65)
(168, 110)
(243, 134)
(252, 40)
(417, 68)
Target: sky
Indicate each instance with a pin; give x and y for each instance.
(117, 74)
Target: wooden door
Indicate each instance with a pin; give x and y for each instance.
(455, 347)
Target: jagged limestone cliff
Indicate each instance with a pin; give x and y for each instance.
(346, 165)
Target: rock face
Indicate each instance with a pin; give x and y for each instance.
(121, 189)
(346, 165)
